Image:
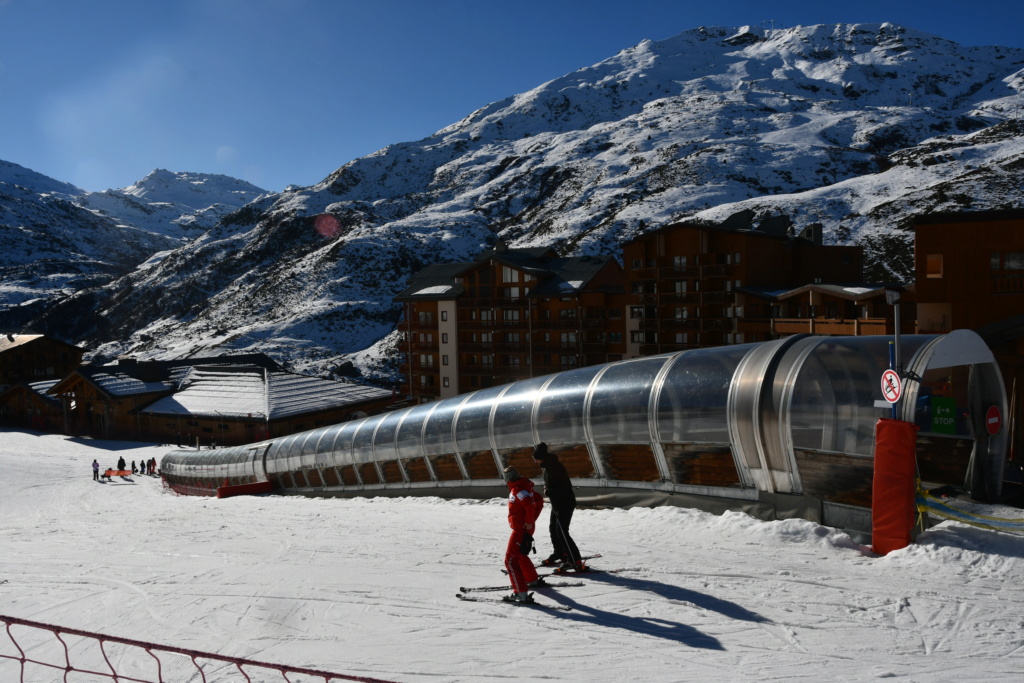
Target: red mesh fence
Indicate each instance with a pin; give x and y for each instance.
(45, 652)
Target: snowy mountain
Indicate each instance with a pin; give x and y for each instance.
(858, 128)
(178, 205)
(57, 239)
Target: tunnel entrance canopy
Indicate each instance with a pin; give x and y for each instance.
(793, 417)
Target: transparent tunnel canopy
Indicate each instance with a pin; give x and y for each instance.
(560, 413)
(835, 392)
(410, 432)
(793, 416)
(693, 403)
(621, 399)
(472, 432)
(513, 416)
(437, 434)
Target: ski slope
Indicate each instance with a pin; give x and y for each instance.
(367, 587)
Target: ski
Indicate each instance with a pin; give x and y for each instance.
(543, 563)
(583, 574)
(481, 589)
(499, 601)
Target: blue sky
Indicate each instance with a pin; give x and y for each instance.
(100, 92)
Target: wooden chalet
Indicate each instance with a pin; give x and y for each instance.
(35, 358)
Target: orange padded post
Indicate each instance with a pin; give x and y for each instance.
(892, 493)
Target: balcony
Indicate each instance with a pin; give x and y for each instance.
(717, 297)
(715, 271)
(831, 326)
(678, 272)
(679, 298)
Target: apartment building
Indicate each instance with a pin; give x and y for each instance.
(511, 314)
(695, 286)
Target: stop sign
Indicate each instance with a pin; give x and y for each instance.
(993, 420)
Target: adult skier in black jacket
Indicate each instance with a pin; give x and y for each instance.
(558, 491)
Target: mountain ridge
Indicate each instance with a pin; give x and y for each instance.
(854, 127)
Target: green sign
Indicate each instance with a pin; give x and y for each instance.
(943, 415)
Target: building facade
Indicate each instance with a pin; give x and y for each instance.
(511, 314)
(698, 286)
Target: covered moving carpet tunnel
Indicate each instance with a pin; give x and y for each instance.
(777, 429)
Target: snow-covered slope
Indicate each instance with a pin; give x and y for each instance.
(366, 587)
(856, 127)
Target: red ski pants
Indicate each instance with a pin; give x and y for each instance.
(520, 569)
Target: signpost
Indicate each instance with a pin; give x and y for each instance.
(892, 386)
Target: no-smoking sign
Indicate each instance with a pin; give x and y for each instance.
(892, 386)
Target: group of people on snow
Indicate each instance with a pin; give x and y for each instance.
(143, 467)
(524, 507)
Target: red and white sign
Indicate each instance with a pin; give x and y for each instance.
(892, 386)
(993, 420)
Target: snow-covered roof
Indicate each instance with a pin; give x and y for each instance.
(120, 384)
(251, 392)
(855, 292)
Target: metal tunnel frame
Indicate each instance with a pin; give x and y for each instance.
(777, 429)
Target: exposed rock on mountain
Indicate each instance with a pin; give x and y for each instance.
(857, 128)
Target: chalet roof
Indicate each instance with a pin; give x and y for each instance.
(557, 275)
(259, 393)
(119, 384)
(940, 218)
(852, 292)
(10, 341)
(435, 282)
(37, 388)
(569, 275)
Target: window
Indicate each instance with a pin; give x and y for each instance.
(567, 314)
(509, 275)
(426, 360)
(636, 312)
(510, 315)
(933, 266)
(681, 337)
(444, 359)
(513, 362)
(426, 338)
(568, 339)
(425, 316)
(614, 337)
(680, 313)
(679, 261)
(486, 337)
(444, 337)
(445, 382)
(736, 257)
(636, 264)
(1013, 260)
(680, 286)
(444, 316)
(567, 361)
(487, 315)
(512, 337)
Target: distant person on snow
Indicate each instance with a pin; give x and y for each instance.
(95, 471)
(558, 490)
(524, 506)
(120, 464)
(135, 470)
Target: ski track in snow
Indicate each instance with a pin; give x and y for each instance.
(367, 586)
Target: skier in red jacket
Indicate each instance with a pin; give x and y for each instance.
(524, 506)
